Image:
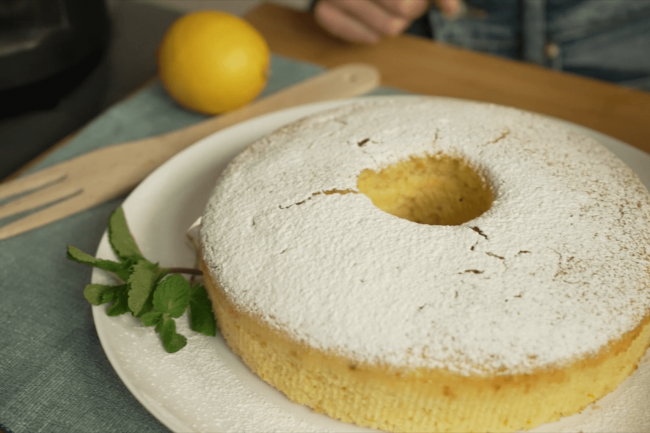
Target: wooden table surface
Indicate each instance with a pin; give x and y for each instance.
(421, 66)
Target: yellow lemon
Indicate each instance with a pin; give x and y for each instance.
(213, 62)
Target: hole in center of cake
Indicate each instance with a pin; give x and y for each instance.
(436, 190)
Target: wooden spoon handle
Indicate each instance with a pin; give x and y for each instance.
(337, 83)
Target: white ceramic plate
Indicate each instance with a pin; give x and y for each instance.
(204, 387)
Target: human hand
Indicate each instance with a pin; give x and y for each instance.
(366, 21)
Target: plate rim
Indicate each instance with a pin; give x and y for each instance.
(294, 113)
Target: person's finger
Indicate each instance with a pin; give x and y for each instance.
(372, 15)
(449, 7)
(408, 9)
(342, 25)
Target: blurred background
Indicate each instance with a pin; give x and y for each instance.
(234, 6)
(63, 62)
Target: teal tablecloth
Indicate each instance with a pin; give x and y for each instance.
(54, 376)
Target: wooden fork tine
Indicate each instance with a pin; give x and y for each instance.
(43, 217)
(30, 182)
(39, 198)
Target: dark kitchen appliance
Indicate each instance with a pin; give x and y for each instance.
(48, 51)
(104, 78)
(39, 38)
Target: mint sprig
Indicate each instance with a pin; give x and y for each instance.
(154, 294)
(98, 294)
(172, 296)
(121, 269)
(120, 238)
(201, 315)
(142, 282)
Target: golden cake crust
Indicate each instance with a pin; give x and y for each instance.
(387, 398)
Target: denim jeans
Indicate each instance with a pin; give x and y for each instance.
(604, 39)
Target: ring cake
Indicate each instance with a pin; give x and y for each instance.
(419, 264)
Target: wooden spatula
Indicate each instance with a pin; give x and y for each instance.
(103, 174)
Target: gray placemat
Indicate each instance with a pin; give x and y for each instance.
(54, 376)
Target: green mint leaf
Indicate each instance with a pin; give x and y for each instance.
(121, 304)
(172, 296)
(119, 269)
(175, 343)
(172, 341)
(142, 281)
(201, 314)
(151, 318)
(121, 239)
(147, 307)
(98, 294)
(161, 322)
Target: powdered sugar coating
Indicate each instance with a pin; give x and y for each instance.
(562, 253)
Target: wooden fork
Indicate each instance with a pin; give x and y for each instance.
(106, 173)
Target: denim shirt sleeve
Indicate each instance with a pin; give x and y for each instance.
(604, 39)
(609, 40)
(488, 26)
